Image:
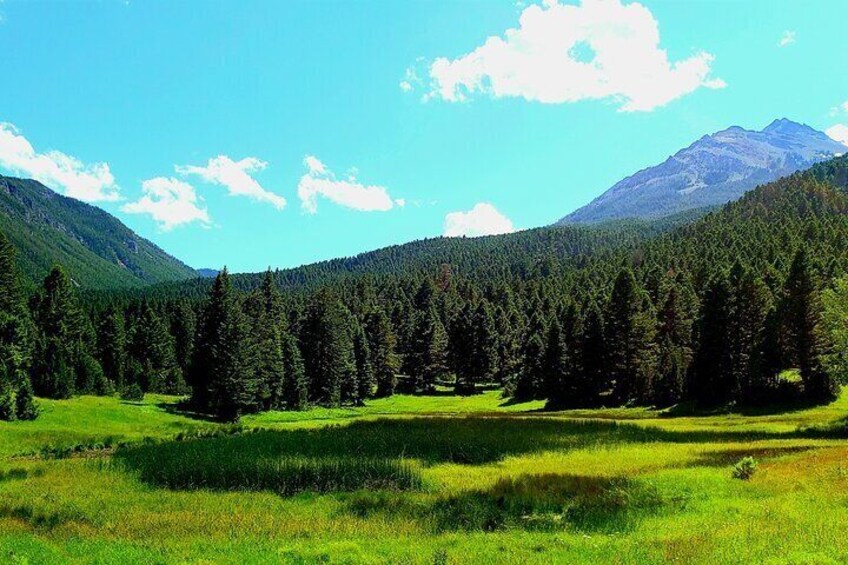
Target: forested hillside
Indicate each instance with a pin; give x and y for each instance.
(96, 249)
(711, 312)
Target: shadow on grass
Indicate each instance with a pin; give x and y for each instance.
(731, 456)
(544, 502)
(375, 454)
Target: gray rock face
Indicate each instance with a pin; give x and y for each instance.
(715, 169)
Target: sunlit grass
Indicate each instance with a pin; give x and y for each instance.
(485, 481)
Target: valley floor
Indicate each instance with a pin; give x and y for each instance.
(437, 479)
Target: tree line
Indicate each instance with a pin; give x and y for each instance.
(714, 312)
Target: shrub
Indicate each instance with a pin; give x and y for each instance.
(25, 403)
(744, 468)
(7, 403)
(132, 393)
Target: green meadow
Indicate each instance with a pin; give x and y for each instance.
(422, 479)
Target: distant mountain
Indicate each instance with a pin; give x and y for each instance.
(96, 249)
(208, 273)
(714, 170)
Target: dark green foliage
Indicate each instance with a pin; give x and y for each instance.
(329, 355)
(223, 377)
(382, 345)
(802, 335)
(630, 334)
(112, 346)
(429, 351)
(296, 385)
(96, 249)
(62, 365)
(25, 404)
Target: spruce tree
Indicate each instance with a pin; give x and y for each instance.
(263, 311)
(295, 387)
(223, 377)
(630, 339)
(802, 326)
(593, 377)
(382, 345)
(328, 348)
(61, 336)
(712, 380)
(112, 346)
(365, 380)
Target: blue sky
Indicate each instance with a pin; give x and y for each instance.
(258, 134)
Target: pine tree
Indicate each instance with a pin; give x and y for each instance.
(429, 351)
(750, 302)
(183, 325)
(594, 379)
(630, 339)
(803, 332)
(365, 378)
(480, 343)
(222, 378)
(263, 311)
(382, 345)
(112, 346)
(15, 329)
(712, 380)
(152, 345)
(328, 349)
(674, 340)
(296, 387)
(61, 336)
(25, 404)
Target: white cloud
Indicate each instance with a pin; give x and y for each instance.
(236, 177)
(92, 183)
(842, 108)
(320, 181)
(600, 49)
(170, 202)
(788, 38)
(482, 219)
(838, 132)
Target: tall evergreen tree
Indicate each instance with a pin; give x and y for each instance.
(223, 380)
(60, 346)
(328, 354)
(296, 386)
(712, 380)
(630, 339)
(803, 332)
(112, 346)
(382, 345)
(15, 333)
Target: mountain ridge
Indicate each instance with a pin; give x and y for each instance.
(97, 250)
(715, 169)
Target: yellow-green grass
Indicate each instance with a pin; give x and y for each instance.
(494, 482)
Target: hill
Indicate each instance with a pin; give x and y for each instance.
(97, 250)
(714, 170)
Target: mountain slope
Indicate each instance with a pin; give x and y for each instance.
(714, 170)
(96, 249)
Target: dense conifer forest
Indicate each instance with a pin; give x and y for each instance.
(744, 305)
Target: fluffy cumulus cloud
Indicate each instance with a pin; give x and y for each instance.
(170, 202)
(482, 219)
(788, 38)
(236, 177)
(319, 181)
(92, 183)
(559, 53)
(838, 132)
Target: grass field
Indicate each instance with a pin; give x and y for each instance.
(437, 479)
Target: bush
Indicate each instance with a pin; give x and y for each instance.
(25, 403)
(744, 468)
(7, 403)
(132, 393)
